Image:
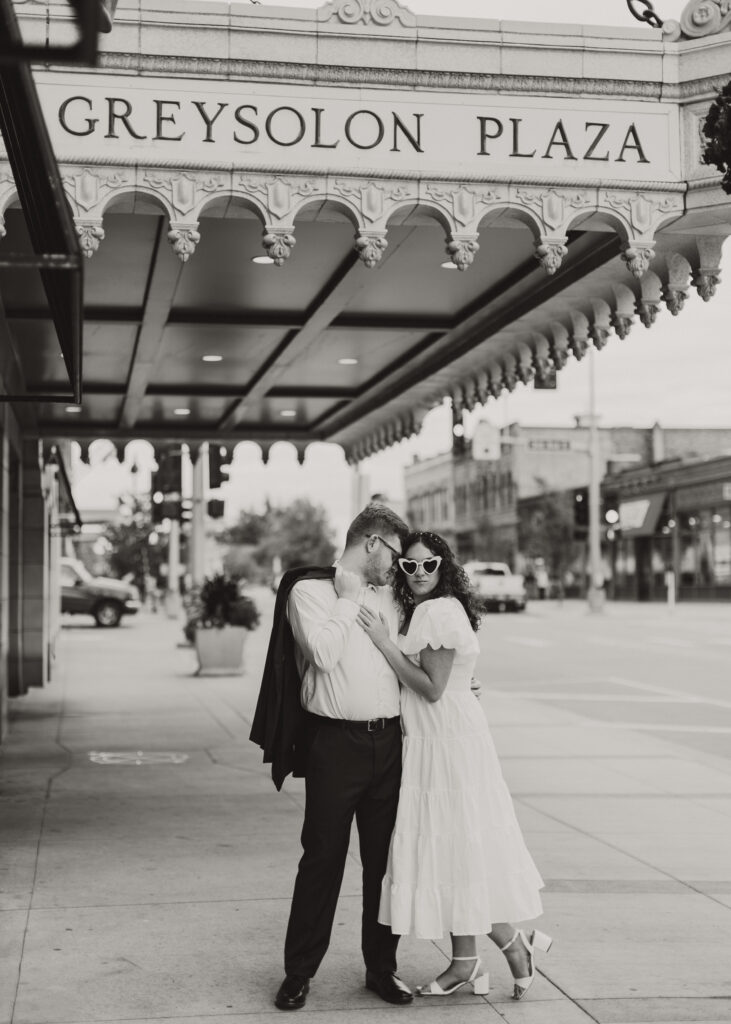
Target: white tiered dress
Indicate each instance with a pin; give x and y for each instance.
(458, 862)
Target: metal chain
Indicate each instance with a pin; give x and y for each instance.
(647, 13)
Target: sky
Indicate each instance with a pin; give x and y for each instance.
(677, 373)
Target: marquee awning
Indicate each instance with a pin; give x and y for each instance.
(316, 225)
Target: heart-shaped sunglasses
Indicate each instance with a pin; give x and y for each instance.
(430, 565)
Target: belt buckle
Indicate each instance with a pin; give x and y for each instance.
(374, 724)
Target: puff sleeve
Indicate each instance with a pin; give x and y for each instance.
(441, 622)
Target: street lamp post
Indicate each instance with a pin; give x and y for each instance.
(595, 594)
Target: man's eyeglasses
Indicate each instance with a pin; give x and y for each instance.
(396, 554)
(430, 565)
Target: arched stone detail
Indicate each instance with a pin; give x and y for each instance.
(553, 210)
(279, 198)
(465, 206)
(373, 203)
(278, 242)
(91, 189)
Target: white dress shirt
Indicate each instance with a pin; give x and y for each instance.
(344, 675)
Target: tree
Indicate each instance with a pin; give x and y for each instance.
(717, 130)
(297, 534)
(546, 530)
(131, 553)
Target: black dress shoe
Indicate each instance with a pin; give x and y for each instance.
(389, 987)
(292, 993)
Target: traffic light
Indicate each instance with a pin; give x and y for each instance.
(581, 512)
(215, 508)
(218, 465)
(167, 479)
(164, 508)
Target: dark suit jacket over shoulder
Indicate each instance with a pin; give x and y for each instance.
(279, 719)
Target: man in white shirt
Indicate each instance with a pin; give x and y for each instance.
(351, 696)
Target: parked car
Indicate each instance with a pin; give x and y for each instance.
(106, 599)
(500, 589)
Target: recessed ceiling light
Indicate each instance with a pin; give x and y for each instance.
(347, 361)
(264, 260)
(182, 412)
(448, 265)
(73, 408)
(289, 413)
(212, 359)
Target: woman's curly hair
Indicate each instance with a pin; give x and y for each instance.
(453, 580)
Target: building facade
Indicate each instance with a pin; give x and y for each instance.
(478, 505)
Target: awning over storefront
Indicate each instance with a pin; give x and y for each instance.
(638, 517)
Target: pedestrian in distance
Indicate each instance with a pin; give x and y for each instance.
(457, 862)
(348, 746)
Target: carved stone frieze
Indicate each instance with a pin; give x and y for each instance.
(90, 188)
(466, 204)
(622, 324)
(550, 252)
(278, 243)
(555, 207)
(91, 234)
(674, 299)
(370, 246)
(638, 257)
(462, 249)
(184, 190)
(374, 200)
(366, 12)
(647, 310)
(184, 237)
(705, 282)
(642, 212)
(280, 196)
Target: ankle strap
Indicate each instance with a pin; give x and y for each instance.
(508, 944)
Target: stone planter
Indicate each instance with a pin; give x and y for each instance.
(220, 651)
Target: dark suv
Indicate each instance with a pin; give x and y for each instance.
(106, 599)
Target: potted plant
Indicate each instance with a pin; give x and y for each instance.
(218, 617)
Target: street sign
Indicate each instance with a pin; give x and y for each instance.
(550, 444)
(486, 444)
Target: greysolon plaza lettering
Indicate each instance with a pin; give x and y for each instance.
(532, 136)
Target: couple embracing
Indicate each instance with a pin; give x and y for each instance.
(367, 693)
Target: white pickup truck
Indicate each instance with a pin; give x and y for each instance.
(499, 589)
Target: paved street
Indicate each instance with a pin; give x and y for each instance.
(147, 860)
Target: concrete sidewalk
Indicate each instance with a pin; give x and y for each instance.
(159, 887)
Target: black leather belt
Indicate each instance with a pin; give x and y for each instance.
(369, 725)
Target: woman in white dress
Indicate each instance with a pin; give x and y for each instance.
(458, 862)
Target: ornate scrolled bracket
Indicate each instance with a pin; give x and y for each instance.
(622, 324)
(647, 310)
(703, 18)
(638, 256)
(705, 282)
(550, 252)
(544, 368)
(370, 246)
(599, 336)
(510, 375)
(674, 299)
(579, 345)
(496, 381)
(278, 243)
(184, 237)
(462, 249)
(91, 234)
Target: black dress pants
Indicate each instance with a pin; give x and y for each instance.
(350, 773)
